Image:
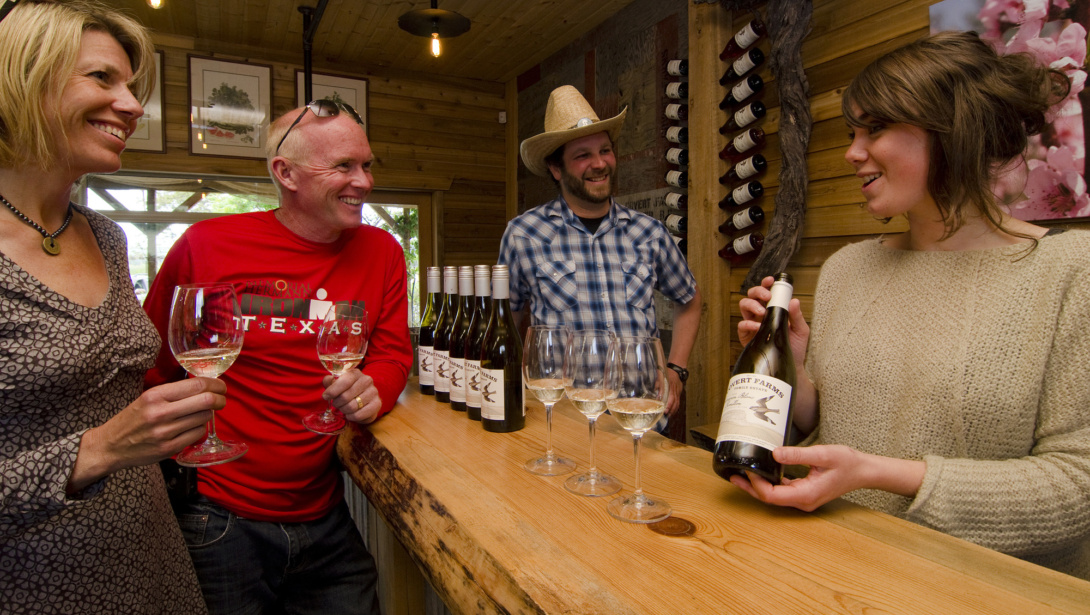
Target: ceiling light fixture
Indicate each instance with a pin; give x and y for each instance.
(434, 23)
(155, 3)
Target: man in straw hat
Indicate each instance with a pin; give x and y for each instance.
(583, 259)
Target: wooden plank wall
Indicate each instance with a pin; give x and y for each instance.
(429, 133)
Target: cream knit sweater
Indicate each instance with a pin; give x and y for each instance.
(975, 362)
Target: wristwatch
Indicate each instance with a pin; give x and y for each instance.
(682, 373)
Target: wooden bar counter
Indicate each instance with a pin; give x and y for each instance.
(493, 538)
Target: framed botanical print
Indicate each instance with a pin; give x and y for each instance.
(230, 107)
(347, 90)
(151, 130)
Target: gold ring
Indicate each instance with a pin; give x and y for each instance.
(359, 403)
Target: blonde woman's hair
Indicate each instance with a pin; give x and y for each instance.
(39, 45)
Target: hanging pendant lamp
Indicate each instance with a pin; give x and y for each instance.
(434, 23)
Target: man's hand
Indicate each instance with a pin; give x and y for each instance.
(355, 395)
(673, 402)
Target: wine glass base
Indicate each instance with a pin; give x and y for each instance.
(638, 508)
(208, 453)
(592, 485)
(319, 423)
(550, 466)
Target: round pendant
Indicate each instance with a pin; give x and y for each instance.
(51, 246)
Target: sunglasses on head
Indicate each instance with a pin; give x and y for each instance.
(322, 108)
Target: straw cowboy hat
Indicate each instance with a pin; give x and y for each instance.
(568, 116)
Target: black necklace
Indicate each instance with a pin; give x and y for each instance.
(49, 241)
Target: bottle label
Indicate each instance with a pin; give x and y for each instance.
(673, 67)
(742, 219)
(492, 395)
(756, 411)
(673, 199)
(473, 383)
(745, 117)
(673, 134)
(673, 222)
(673, 90)
(744, 64)
(746, 168)
(673, 155)
(741, 195)
(425, 365)
(744, 141)
(742, 91)
(673, 111)
(674, 179)
(457, 379)
(742, 245)
(746, 36)
(442, 371)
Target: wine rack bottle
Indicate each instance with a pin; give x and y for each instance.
(677, 90)
(502, 407)
(742, 195)
(744, 219)
(677, 134)
(744, 117)
(677, 112)
(750, 167)
(744, 142)
(425, 358)
(475, 341)
(757, 411)
(677, 200)
(677, 224)
(458, 339)
(682, 244)
(742, 91)
(749, 60)
(678, 156)
(744, 246)
(743, 39)
(677, 179)
(677, 68)
(443, 328)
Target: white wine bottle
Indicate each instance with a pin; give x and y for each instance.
(757, 412)
(502, 408)
(442, 334)
(478, 324)
(425, 362)
(458, 338)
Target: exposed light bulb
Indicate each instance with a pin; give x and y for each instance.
(155, 3)
(435, 49)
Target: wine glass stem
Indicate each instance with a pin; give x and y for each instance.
(328, 414)
(636, 451)
(211, 437)
(548, 431)
(593, 469)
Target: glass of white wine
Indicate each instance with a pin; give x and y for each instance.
(205, 335)
(585, 373)
(342, 343)
(639, 379)
(543, 369)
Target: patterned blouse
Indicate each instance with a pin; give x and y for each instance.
(64, 368)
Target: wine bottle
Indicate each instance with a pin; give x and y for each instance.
(744, 142)
(677, 200)
(425, 361)
(681, 243)
(677, 224)
(677, 68)
(757, 412)
(744, 246)
(746, 169)
(677, 134)
(677, 90)
(458, 339)
(477, 325)
(502, 408)
(743, 39)
(742, 220)
(677, 179)
(443, 328)
(677, 111)
(739, 93)
(747, 62)
(678, 156)
(742, 195)
(744, 117)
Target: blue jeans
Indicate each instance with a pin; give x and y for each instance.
(248, 567)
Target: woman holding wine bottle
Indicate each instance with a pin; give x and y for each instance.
(943, 380)
(85, 523)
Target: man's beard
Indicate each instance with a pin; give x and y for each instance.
(575, 187)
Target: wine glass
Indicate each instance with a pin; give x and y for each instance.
(342, 342)
(543, 368)
(205, 335)
(585, 373)
(639, 379)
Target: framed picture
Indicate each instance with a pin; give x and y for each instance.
(151, 132)
(230, 108)
(350, 91)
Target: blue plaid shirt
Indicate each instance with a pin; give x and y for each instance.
(602, 280)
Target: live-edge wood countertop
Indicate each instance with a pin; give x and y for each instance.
(493, 538)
